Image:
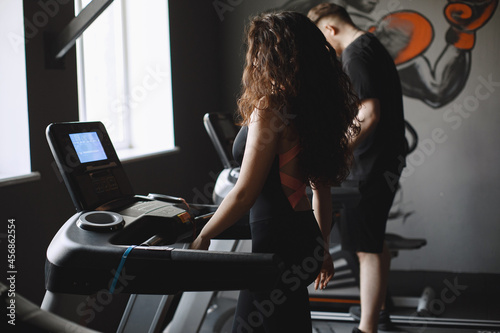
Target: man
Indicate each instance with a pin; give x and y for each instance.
(361, 7)
(379, 151)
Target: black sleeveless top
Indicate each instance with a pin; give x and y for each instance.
(272, 201)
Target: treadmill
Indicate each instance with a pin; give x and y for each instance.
(120, 263)
(329, 307)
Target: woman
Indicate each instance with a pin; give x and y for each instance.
(297, 112)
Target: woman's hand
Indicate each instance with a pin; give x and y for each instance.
(326, 272)
(200, 244)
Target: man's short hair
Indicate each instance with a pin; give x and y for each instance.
(329, 10)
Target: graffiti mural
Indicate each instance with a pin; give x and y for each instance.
(408, 34)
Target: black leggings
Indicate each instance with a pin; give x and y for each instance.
(296, 238)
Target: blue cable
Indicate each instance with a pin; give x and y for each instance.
(120, 266)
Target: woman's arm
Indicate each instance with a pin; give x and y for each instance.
(323, 210)
(260, 151)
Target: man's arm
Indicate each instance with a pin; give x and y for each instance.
(368, 118)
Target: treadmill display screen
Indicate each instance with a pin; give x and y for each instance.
(88, 147)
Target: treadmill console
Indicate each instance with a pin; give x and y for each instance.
(88, 163)
(113, 226)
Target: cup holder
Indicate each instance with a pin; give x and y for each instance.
(100, 221)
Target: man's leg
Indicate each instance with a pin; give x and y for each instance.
(374, 271)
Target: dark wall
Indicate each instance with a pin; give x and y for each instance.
(41, 207)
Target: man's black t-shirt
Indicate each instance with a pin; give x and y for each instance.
(374, 75)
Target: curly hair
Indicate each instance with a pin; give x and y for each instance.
(291, 69)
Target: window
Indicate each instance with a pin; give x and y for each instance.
(124, 75)
(14, 129)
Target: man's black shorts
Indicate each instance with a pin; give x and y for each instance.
(362, 229)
